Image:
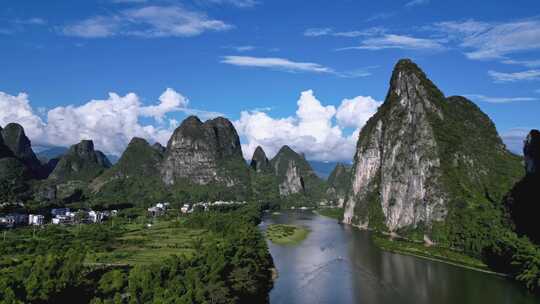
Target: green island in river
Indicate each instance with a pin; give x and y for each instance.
(286, 234)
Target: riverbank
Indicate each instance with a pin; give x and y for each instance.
(286, 234)
(335, 213)
(432, 253)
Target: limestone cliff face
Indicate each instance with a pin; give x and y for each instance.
(295, 175)
(338, 184)
(293, 181)
(259, 161)
(424, 158)
(396, 160)
(19, 144)
(203, 153)
(81, 162)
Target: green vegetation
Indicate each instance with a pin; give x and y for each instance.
(429, 252)
(286, 234)
(81, 163)
(146, 243)
(207, 257)
(12, 179)
(340, 179)
(335, 213)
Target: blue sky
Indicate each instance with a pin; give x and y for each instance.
(287, 72)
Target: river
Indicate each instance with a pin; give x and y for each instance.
(340, 264)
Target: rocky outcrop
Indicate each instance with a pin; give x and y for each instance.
(522, 202)
(19, 144)
(81, 163)
(531, 151)
(395, 160)
(158, 147)
(293, 182)
(204, 153)
(424, 159)
(295, 175)
(338, 184)
(259, 161)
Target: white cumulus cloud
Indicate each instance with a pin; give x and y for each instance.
(17, 109)
(313, 130)
(355, 112)
(170, 101)
(110, 122)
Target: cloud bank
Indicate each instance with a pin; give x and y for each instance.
(110, 122)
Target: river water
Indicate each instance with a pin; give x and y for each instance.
(340, 264)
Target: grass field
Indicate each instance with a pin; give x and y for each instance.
(140, 244)
(432, 253)
(335, 213)
(286, 234)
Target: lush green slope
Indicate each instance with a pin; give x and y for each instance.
(207, 257)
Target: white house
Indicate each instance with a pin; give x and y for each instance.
(36, 219)
(95, 216)
(163, 206)
(64, 219)
(185, 208)
(7, 221)
(156, 211)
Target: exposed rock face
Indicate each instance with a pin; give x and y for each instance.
(81, 162)
(422, 157)
(203, 153)
(531, 151)
(338, 184)
(295, 175)
(19, 144)
(395, 159)
(293, 182)
(259, 161)
(522, 202)
(158, 147)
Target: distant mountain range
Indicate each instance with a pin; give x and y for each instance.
(323, 169)
(47, 153)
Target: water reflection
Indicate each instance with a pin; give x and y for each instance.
(340, 264)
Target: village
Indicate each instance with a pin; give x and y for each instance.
(66, 216)
(57, 216)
